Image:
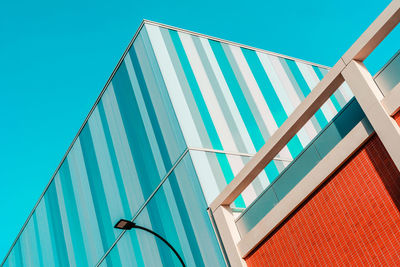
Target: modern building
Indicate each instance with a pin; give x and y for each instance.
(235, 155)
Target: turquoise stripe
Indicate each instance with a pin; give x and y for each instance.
(333, 98)
(237, 138)
(241, 102)
(55, 226)
(305, 89)
(194, 115)
(167, 162)
(205, 115)
(168, 110)
(72, 215)
(39, 250)
(97, 190)
(18, 254)
(318, 72)
(114, 161)
(248, 98)
(270, 96)
(120, 183)
(139, 144)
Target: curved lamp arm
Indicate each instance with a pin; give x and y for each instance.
(127, 225)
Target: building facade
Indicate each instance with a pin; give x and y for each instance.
(212, 144)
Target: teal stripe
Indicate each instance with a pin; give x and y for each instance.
(333, 98)
(187, 92)
(194, 111)
(305, 89)
(114, 161)
(167, 161)
(39, 250)
(97, 190)
(251, 104)
(270, 96)
(139, 144)
(205, 115)
(162, 91)
(18, 254)
(318, 72)
(120, 183)
(237, 138)
(72, 215)
(55, 225)
(240, 100)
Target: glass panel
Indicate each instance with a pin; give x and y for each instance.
(389, 76)
(178, 212)
(216, 170)
(327, 139)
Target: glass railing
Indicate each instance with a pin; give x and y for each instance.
(389, 76)
(318, 148)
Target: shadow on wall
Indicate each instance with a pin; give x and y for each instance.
(386, 169)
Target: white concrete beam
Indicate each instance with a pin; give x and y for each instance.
(369, 97)
(328, 165)
(374, 34)
(318, 96)
(229, 234)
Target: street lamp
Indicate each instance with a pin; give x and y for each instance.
(128, 225)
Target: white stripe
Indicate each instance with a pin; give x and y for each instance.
(85, 206)
(282, 94)
(257, 96)
(312, 80)
(174, 88)
(295, 99)
(122, 151)
(181, 108)
(346, 92)
(111, 191)
(212, 104)
(126, 164)
(205, 175)
(228, 97)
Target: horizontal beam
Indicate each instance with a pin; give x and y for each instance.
(328, 165)
(318, 96)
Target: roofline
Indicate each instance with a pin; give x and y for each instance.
(144, 21)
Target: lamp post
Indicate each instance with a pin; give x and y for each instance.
(128, 225)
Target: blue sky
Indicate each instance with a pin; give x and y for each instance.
(56, 56)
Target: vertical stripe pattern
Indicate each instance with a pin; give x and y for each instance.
(173, 91)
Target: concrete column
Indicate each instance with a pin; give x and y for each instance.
(229, 234)
(369, 97)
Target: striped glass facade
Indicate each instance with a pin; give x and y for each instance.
(179, 118)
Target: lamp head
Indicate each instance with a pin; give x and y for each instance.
(124, 224)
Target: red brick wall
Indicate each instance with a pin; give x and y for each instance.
(353, 219)
(397, 117)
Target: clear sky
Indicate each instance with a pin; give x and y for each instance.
(56, 56)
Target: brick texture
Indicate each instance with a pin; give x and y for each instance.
(396, 117)
(352, 219)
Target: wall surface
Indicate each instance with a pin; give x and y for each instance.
(231, 98)
(339, 223)
(172, 91)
